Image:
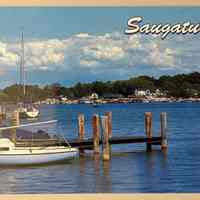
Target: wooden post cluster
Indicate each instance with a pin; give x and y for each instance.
(96, 135)
(109, 115)
(14, 122)
(163, 129)
(104, 135)
(106, 145)
(1, 113)
(148, 130)
(81, 130)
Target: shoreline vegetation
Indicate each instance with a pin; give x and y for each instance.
(177, 88)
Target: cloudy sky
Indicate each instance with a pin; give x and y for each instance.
(68, 45)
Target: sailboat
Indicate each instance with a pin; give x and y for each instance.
(17, 151)
(29, 111)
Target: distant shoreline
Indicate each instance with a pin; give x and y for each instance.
(121, 101)
(180, 87)
(97, 102)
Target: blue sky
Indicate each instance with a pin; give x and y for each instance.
(68, 45)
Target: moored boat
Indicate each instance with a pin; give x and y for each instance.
(15, 151)
(31, 111)
(13, 155)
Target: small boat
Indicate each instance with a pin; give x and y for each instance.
(12, 155)
(145, 101)
(38, 151)
(31, 111)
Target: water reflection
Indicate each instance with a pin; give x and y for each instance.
(96, 158)
(103, 180)
(95, 175)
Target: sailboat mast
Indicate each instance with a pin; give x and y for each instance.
(22, 70)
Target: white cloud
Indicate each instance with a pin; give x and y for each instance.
(161, 57)
(96, 52)
(7, 58)
(88, 63)
(103, 52)
(82, 35)
(45, 53)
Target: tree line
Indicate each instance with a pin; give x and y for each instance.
(180, 85)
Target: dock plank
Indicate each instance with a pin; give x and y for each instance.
(88, 142)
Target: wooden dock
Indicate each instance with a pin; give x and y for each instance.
(87, 143)
(102, 135)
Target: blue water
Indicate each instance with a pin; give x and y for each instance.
(131, 169)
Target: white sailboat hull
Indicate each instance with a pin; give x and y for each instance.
(12, 155)
(29, 114)
(28, 159)
(32, 114)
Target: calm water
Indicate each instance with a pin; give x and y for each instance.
(131, 169)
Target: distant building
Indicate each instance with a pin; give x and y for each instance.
(158, 93)
(94, 96)
(52, 101)
(84, 100)
(64, 99)
(142, 93)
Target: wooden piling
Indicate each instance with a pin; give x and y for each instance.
(95, 125)
(109, 115)
(14, 122)
(1, 109)
(163, 129)
(148, 129)
(106, 146)
(81, 130)
(1, 119)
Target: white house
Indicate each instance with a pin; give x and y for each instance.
(94, 96)
(142, 92)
